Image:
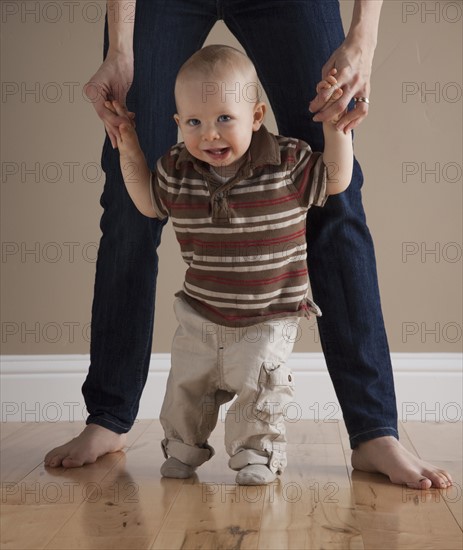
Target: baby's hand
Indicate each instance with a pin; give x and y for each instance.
(331, 83)
(127, 139)
(111, 106)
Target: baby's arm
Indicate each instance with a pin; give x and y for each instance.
(338, 155)
(134, 167)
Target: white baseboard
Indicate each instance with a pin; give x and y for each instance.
(47, 387)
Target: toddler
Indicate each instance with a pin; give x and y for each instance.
(238, 198)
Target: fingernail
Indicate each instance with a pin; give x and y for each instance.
(316, 118)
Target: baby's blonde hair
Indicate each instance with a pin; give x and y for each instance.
(216, 59)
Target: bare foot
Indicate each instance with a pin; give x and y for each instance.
(386, 455)
(93, 442)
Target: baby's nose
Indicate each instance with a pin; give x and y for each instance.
(210, 133)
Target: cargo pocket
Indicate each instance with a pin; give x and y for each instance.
(275, 390)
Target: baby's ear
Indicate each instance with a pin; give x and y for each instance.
(177, 119)
(259, 115)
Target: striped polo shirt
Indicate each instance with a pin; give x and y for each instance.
(243, 239)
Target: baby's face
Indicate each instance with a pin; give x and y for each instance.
(217, 118)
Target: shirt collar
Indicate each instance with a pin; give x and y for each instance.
(263, 149)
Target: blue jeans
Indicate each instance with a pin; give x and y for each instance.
(288, 41)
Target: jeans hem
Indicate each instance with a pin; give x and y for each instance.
(355, 440)
(108, 424)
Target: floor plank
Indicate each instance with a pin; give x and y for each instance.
(24, 449)
(133, 503)
(8, 428)
(391, 516)
(312, 505)
(36, 505)
(207, 519)
(447, 454)
(211, 511)
(436, 440)
(320, 502)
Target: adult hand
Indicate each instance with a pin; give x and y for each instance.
(111, 81)
(353, 62)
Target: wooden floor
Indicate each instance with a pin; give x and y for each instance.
(121, 502)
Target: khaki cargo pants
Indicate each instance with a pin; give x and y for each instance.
(210, 365)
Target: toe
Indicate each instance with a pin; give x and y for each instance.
(438, 479)
(422, 483)
(69, 462)
(76, 460)
(54, 460)
(432, 478)
(447, 477)
(50, 456)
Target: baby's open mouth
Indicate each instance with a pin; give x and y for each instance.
(220, 152)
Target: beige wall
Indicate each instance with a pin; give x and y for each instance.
(47, 293)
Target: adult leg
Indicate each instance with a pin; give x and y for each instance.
(289, 43)
(165, 35)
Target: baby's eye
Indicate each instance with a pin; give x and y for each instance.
(193, 122)
(224, 118)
